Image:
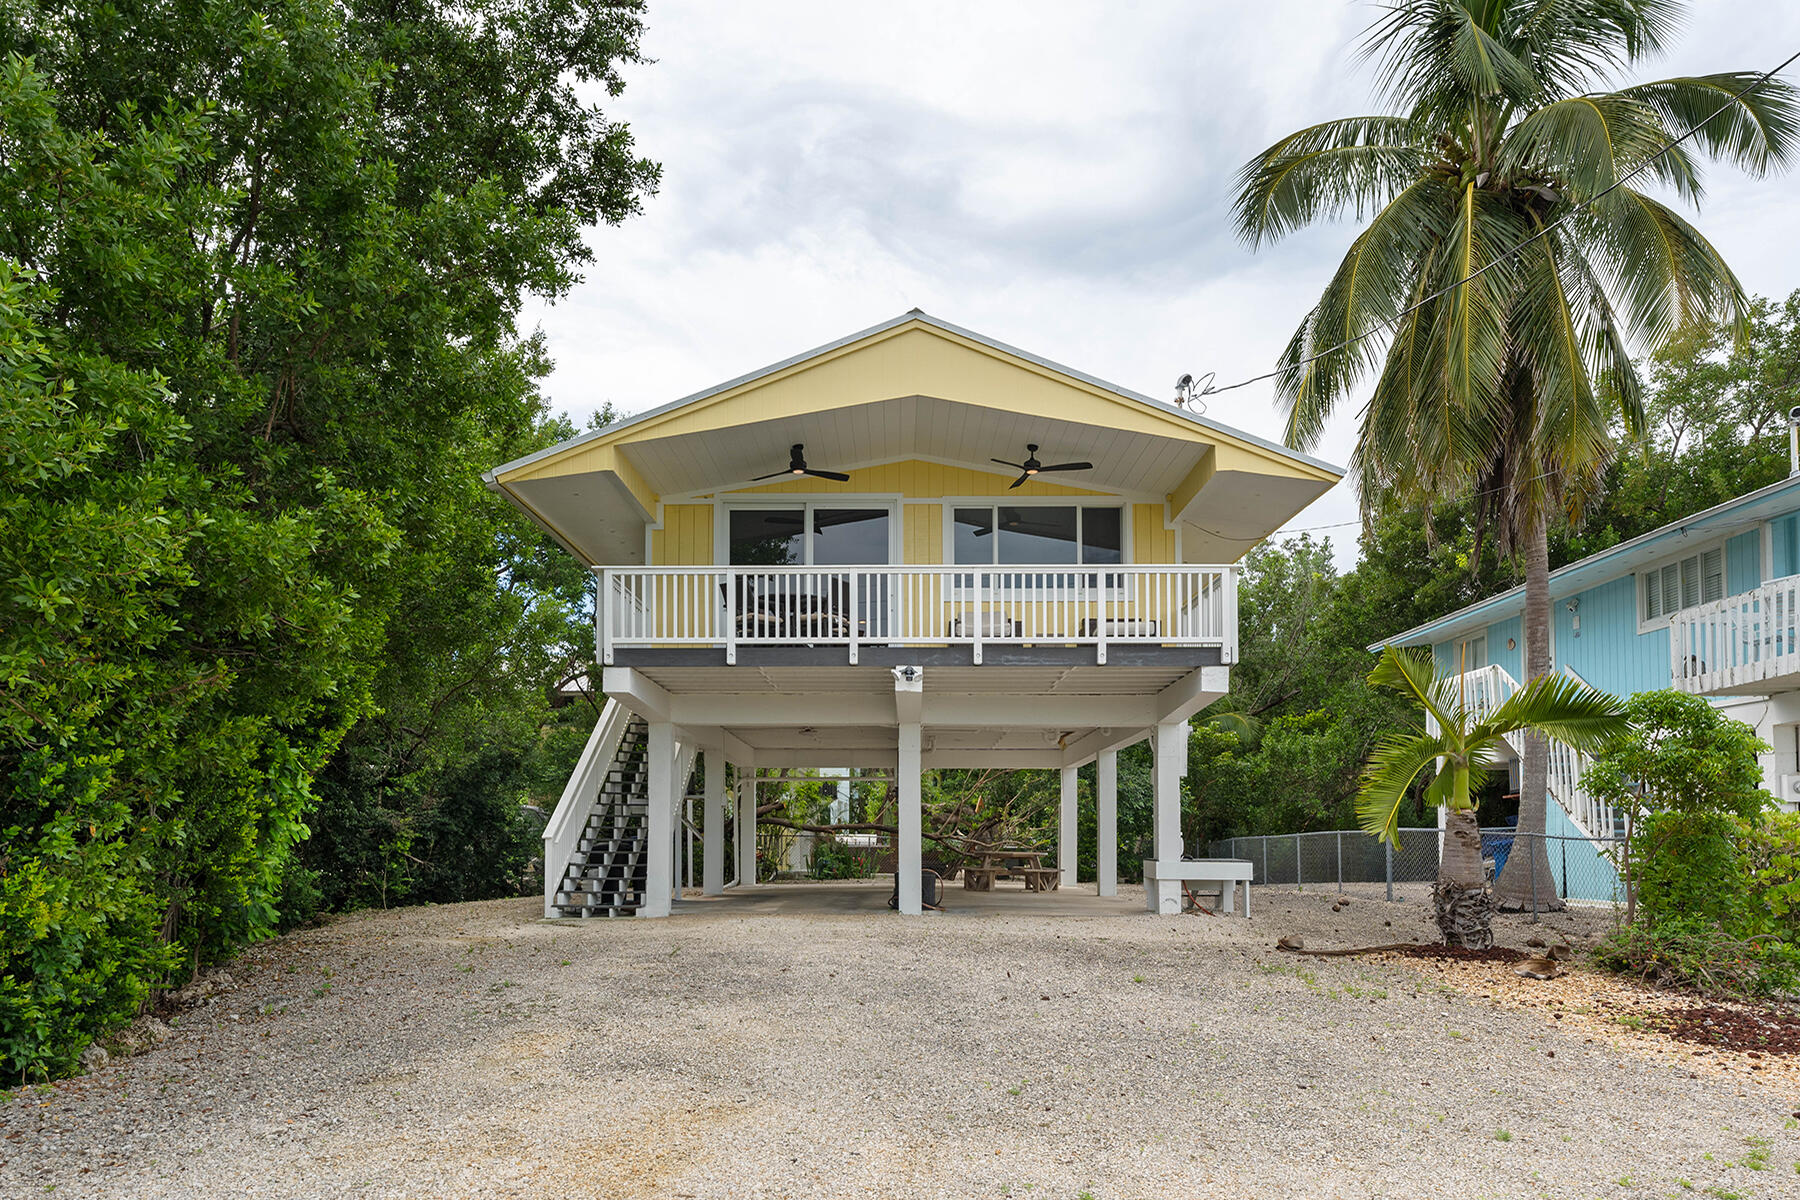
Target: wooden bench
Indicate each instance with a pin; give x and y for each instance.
(979, 879)
(1227, 872)
(1041, 879)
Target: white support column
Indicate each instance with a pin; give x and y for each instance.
(1106, 822)
(712, 822)
(1068, 837)
(747, 802)
(659, 834)
(909, 855)
(1170, 747)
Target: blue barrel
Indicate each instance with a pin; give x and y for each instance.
(1497, 846)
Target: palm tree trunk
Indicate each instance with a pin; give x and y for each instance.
(1464, 908)
(1526, 882)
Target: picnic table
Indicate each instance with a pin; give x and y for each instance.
(999, 860)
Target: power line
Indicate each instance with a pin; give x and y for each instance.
(1210, 390)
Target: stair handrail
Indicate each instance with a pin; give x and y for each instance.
(564, 827)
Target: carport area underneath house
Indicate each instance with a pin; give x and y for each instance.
(842, 898)
(906, 719)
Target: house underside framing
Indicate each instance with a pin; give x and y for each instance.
(1054, 708)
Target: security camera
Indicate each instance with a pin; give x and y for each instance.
(1574, 604)
(1794, 415)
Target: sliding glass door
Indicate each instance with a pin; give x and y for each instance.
(816, 535)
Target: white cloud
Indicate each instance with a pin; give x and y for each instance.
(1057, 176)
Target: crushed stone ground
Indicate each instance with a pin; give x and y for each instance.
(472, 1050)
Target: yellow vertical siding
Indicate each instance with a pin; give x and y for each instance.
(686, 536)
(1150, 541)
(922, 536)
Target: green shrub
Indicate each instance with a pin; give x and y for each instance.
(1682, 755)
(833, 860)
(1714, 871)
(1686, 865)
(1684, 952)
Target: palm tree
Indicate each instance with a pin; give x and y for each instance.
(1465, 745)
(1508, 264)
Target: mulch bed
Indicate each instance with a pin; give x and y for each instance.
(1724, 1028)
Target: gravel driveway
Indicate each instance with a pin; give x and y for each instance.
(472, 1050)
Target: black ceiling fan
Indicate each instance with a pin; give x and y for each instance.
(797, 466)
(1031, 466)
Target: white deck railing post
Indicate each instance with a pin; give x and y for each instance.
(605, 613)
(855, 608)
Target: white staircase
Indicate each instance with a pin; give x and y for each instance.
(595, 841)
(1486, 688)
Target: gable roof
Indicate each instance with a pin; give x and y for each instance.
(1733, 516)
(624, 428)
(913, 387)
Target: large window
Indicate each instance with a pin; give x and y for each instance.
(1697, 579)
(808, 534)
(1032, 534)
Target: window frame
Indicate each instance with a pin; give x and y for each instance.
(1127, 550)
(996, 503)
(806, 502)
(1644, 574)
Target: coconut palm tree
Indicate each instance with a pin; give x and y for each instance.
(1508, 263)
(1465, 744)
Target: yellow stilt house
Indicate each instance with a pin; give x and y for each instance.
(914, 547)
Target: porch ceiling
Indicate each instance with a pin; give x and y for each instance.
(1142, 465)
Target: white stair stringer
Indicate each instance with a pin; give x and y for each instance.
(595, 848)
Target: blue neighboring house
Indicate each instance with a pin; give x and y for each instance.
(1705, 604)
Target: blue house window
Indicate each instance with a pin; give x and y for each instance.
(1784, 546)
(1697, 579)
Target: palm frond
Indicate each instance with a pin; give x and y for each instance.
(1617, 369)
(1665, 274)
(1396, 762)
(1413, 673)
(1227, 716)
(1588, 143)
(1560, 708)
(1474, 345)
(1552, 330)
(1573, 44)
(1345, 332)
(1757, 132)
(1356, 164)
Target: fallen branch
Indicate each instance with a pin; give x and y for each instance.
(1294, 945)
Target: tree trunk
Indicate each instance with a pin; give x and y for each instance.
(1526, 881)
(1464, 908)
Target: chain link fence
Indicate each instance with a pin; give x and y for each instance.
(1581, 870)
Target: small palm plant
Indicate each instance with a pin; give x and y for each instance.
(1465, 744)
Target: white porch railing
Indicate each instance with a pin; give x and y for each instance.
(1485, 689)
(1737, 642)
(728, 607)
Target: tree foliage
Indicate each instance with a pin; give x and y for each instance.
(1510, 260)
(260, 267)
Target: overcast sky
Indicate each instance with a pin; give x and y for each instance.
(1053, 175)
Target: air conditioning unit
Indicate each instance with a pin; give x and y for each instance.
(1790, 793)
